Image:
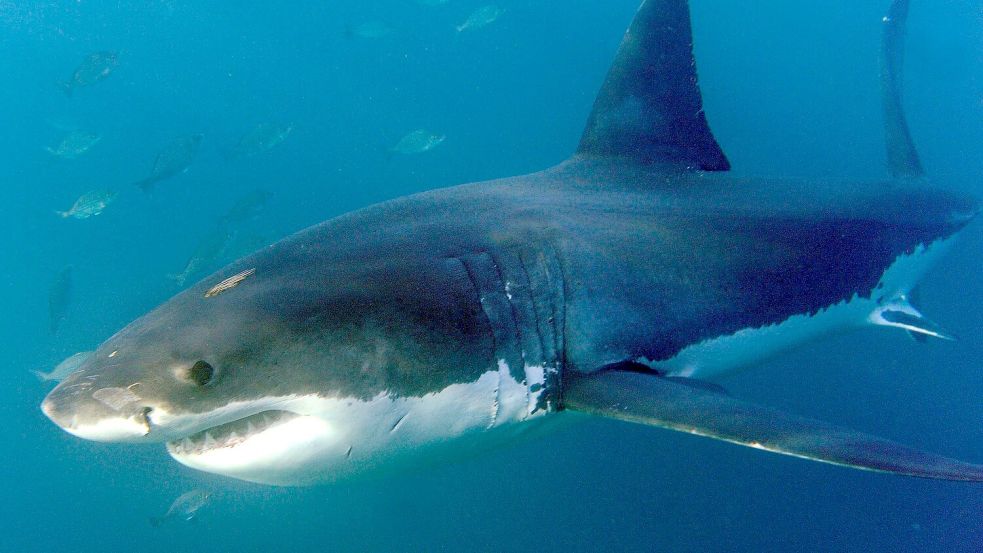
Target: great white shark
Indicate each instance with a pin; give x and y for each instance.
(618, 283)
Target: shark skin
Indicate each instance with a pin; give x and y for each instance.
(440, 324)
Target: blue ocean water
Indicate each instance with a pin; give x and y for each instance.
(789, 89)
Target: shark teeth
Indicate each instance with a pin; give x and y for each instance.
(229, 434)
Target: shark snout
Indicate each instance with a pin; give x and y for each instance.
(103, 414)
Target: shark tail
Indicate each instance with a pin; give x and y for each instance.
(902, 157)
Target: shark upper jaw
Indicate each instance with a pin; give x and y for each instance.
(256, 440)
(232, 424)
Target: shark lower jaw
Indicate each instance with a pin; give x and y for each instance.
(269, 447)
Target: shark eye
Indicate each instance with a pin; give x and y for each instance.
(201, 373)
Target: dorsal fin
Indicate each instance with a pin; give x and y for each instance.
(649, 109)
(902, 158)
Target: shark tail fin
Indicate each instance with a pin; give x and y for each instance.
(902, 157)
(656, 401)
(649, 109)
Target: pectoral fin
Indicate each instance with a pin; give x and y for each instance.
(656, 401)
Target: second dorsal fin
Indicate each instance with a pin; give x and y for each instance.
(649, 109)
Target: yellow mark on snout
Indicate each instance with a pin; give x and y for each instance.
(229, 283)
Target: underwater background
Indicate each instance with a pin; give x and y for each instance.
(790, 88)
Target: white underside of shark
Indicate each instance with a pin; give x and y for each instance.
(724, 354)
(319, 439)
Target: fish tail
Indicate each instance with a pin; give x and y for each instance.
(147, 184)
(178, 278)
(66, 87)
(43, 377)
(63, 214)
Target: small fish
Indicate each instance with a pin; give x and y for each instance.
(74, 144)
(229, 283)
(89, 204)
(369, 30)
(65, 368)
(208, 250)
(261, 138)
(173, 159)
(59, 297)
(246, 207)
(184, 508)
(417, 142)
(94, 68)
(485, 15)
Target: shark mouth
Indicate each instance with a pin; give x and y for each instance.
(270, 447)
(230, 434)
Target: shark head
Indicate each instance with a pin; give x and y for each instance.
(281, 375)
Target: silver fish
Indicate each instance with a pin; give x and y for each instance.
(261, 138)
(173, 160)
(90, 204)
(246, 207)
(485, 15)
(417, 142)
(61, 371)
(212, 246)
(94, 68)
(74, 144)
(184, 508)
